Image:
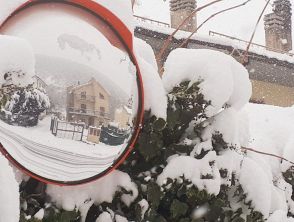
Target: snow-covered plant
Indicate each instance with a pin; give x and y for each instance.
(20, 103)
(188, 163)
(24, 105)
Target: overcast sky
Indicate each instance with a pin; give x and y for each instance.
(85, 44)
(238, 23)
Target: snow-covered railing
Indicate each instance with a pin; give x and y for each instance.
(151, 21)
(212, 33)
(89, 112)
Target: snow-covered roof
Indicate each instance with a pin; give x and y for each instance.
(90, 82)
(216, 40)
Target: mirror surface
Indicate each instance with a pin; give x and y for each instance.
(68, 92)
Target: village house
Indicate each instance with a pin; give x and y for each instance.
(122, 117)
(88, 103)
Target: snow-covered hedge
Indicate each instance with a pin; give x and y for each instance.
(188, 163)
(20, 102)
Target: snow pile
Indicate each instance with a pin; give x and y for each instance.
(9, 195)
(17, 61)
(271, 131)
(145, 51)
(110, 217)
(251, 176)
(194, 170)
(270, 127)
(279, 215)
(256, 185)
(40, 214)
(102, 190)
(104, 217)
(223, 80)
(154, 94)
(228, 123)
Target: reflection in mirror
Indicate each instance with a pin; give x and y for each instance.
(68, 92)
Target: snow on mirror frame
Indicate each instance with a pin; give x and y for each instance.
(71, 91)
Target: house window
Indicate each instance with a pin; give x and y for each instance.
(83, 108)
(102, 111)
(83, 95)
(101, 96)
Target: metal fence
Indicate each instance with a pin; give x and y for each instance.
(212, 33)
(151, 21)
(67, 130)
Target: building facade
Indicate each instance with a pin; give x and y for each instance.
(88, 103)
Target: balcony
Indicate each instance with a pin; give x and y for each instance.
(88, 112)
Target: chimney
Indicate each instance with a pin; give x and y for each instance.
(179, 11)
(278, 27)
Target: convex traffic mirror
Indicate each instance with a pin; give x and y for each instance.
(71, 91)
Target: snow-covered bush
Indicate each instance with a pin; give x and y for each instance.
(24, 106)
(20, 102)
(187, 165)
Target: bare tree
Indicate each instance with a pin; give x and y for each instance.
(245, 55)
(169, 39)
(210, 17)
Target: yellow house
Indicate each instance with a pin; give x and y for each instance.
(122, 117)
(88, 103)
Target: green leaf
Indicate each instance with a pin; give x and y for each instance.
(153, 194)
(178, 209)
(238, 219)
(159, 124)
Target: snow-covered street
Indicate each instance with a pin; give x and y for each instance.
(56, 158)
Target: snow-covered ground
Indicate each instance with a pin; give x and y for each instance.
(55, 158)
(271, 130)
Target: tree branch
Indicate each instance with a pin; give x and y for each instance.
(210, 17)
(245, 55)
(169, 39)
(267, 154)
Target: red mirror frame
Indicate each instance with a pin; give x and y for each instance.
(126, 37)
